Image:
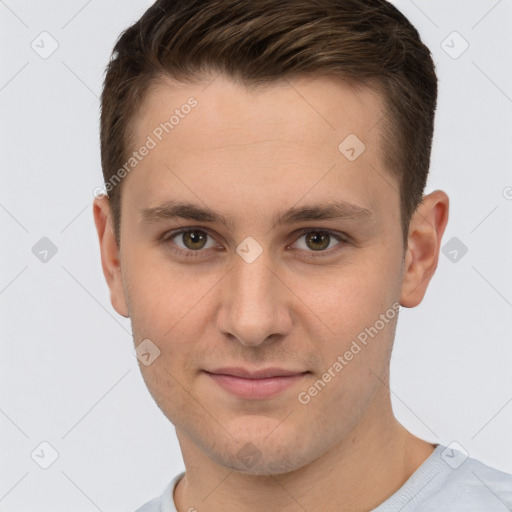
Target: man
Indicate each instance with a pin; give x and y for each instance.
(265, 164)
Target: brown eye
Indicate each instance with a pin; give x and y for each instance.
(318, 240)
(194, 240)
(191, 240)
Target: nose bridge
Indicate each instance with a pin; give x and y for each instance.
(252, 306)
(253, 281)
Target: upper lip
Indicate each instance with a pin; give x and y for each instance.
(263, 373)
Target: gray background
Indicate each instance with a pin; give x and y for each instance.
(69, 376)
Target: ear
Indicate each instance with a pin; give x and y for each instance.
(424, 241)
(110, 260)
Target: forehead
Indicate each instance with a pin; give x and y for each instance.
(326, 105)
(286, 141)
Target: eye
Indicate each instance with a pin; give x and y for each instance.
(190, 240)
(320, 241)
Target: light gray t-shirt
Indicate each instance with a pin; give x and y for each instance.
(448, 481)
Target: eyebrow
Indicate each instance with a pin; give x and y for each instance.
(333, 210)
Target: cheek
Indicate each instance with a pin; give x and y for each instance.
(352, 296)
(356, 354)
(162, 296)
(359, 305)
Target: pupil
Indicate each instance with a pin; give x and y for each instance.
(193, 238)
(318, 238)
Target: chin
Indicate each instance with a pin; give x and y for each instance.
(268, 462)
(266, 452)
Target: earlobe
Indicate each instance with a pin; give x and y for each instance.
(110, 260)
(424, 241)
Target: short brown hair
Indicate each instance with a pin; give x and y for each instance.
(367, 42)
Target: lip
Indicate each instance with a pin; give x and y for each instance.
(256, 384)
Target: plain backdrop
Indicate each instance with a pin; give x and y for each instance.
(68, 374)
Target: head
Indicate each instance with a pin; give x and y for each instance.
(265, 164)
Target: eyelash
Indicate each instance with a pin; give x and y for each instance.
(340, 237)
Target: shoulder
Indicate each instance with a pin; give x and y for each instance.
(450, 481)
(164, 502)
(476, 486)
(466, 484)
(151, 506)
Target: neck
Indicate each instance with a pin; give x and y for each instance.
(360, 472)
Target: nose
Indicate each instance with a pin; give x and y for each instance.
(255, 305)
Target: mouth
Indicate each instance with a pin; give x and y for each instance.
(255, 385)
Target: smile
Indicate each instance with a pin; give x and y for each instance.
(258, 385)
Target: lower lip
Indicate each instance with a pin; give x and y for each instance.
(255, 388)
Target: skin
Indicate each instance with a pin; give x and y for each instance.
(249, 155)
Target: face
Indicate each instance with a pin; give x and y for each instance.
(265, 262)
